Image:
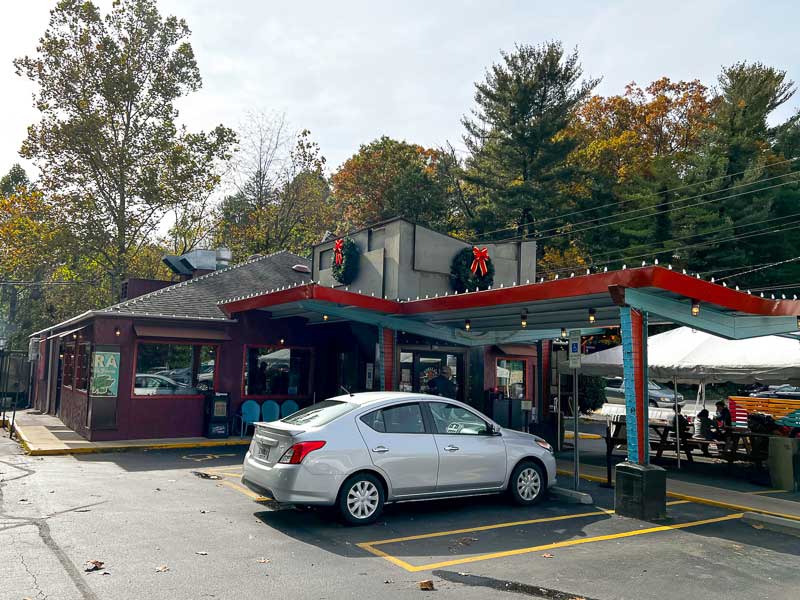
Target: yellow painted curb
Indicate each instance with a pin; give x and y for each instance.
(33, 451)
(730, 505)
(568, 435)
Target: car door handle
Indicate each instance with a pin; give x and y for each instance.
(380, 449)
(451, 448)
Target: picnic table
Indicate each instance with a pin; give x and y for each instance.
(664, 439)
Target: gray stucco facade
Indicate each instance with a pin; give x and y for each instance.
(400, 259)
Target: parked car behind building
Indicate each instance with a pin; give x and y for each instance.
(659, 396)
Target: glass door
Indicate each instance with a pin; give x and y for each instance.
(436, 373)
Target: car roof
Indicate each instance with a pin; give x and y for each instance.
(364, 398)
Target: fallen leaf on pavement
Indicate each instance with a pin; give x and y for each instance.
(162, 569)
(263, 560)
(547, 555)
(756, 526)
(388, 581)
(202, 553)
(93, 565)
(426, 585)
(202, 475)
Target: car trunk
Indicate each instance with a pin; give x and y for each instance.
(272, 440)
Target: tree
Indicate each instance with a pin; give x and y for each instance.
(751, 223)
(633, 151)
(282, 200)
(516, 135)
(15, 179)
(390, 178)
(107, 144)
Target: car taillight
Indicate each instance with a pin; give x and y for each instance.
(296, 454)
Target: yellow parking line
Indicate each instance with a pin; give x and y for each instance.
(244, 490)
(422, 536)
(368, 546)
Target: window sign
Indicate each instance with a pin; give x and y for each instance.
(105, 374)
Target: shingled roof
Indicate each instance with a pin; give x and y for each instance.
(198, 297)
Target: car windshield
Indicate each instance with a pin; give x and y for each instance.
(320, 413)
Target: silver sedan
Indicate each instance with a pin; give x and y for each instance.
(360, 451)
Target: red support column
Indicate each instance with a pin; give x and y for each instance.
(388, 358)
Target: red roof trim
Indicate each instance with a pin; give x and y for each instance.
(598, 283)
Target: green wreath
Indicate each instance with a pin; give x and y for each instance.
(346, 272)
(463, 279)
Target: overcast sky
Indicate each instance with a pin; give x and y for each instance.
(352, 71)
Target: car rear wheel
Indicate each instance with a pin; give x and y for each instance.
(361, 499)
(527, 484)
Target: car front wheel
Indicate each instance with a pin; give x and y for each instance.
(361, 499)
(527, 484)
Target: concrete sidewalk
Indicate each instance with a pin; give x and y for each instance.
(46, 435)
(703, 494)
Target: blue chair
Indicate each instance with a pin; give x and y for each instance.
(251, 412)
(270, 411)
(289, 407)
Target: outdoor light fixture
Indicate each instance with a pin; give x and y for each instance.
(592, 315)
(523, 319)
(798, 322)
(324, 317)
(117, 332)
(564, 333)
(281, 341)
(467, 325)
(695, 307)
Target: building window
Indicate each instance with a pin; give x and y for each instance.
(68, 365)
(511, 378)
(82, 357)
(174, 369)
(276, 371)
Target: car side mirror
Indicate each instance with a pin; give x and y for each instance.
(493, 429)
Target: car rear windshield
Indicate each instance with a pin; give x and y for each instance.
(320, 413)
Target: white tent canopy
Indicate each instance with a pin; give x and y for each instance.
(694, 356)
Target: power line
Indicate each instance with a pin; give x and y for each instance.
(572, 232)
(782, 262)
(675, 239)
(786, 227)
(612, 204)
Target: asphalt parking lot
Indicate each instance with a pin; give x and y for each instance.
(162, 531)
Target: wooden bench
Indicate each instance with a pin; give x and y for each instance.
(785, 412)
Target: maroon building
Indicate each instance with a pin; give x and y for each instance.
(139, 369)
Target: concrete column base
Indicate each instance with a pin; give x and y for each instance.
(641, 492)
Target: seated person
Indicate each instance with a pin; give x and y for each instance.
(702, 426)
(722, 420)
(680, 422)
(702, 429)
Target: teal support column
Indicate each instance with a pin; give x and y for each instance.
(641, 488)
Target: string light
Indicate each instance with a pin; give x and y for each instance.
(592, 315)
(467, 324)
(695, 308)
(523, 320)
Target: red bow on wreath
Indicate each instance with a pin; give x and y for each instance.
(337, 252)
(479, 262)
